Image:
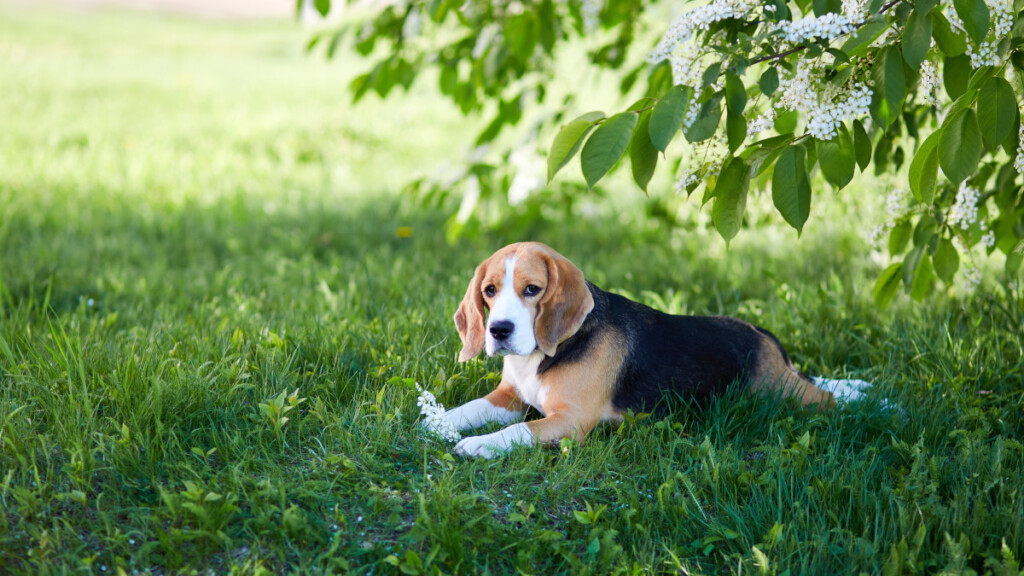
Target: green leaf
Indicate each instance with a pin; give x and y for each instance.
(922, 283)
(668, 114)
(1011, 143)
(946, 260)
(861, 145)
(785, 122)
(925, 6)
(322, 7)
(769, 81)
(975, 16)
(791, 190)
(917, 38)
(836, 158)
(822, 7)
(862, 38)
(568, 141)
(706, 124)
(890, 85)
(997, 109)
(735, 130)
(899, 236)
(643, 156)
(608, 143)
(925, 230)
(924, 169)
(735, 93)
(910, 263)
(888, 284)
(448, 79)
(955, 74)
(950, 43)
(960, 146)
(1014, 259)
(731, 198)
(710, 75)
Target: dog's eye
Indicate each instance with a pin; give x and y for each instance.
(490, 290)
(531, 290)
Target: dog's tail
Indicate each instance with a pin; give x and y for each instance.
(841, 390)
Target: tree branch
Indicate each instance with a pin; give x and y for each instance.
(785, 53)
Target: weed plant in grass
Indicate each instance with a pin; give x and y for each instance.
(210, 330)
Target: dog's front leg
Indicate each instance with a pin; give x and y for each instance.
(502, 405)
(544, 431)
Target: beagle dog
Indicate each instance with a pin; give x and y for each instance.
(581, 356)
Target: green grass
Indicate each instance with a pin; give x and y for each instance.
(194, 221)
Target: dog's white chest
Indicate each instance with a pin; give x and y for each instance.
(521, 372)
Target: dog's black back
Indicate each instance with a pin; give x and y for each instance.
(690, 356)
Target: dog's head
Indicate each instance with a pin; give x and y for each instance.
(536, 298)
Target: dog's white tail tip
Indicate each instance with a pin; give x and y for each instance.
(844, 390)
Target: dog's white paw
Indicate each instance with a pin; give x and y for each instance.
(492, 445)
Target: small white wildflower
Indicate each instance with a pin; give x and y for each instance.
(965, 209)
(434, 418)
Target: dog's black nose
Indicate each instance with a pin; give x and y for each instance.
(502, 329)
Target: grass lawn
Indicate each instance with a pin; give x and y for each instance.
(198, 233)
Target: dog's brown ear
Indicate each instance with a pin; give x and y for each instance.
(564, 305)
(469, 318)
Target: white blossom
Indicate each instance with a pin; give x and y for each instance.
(929, 83)
(676, 45)
(965, 209)
(950, 13)
(685, 181)
(895, 202)
(983, 55)
(827, 27)
(877, 233)
(855, 10)
(824, 106)
(526, 167)
(434, 418)
(972, 277)
(1002, 17)
(895, 206)
(761, 123)
(1018, 162)
(989, 239)
(590, 11)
